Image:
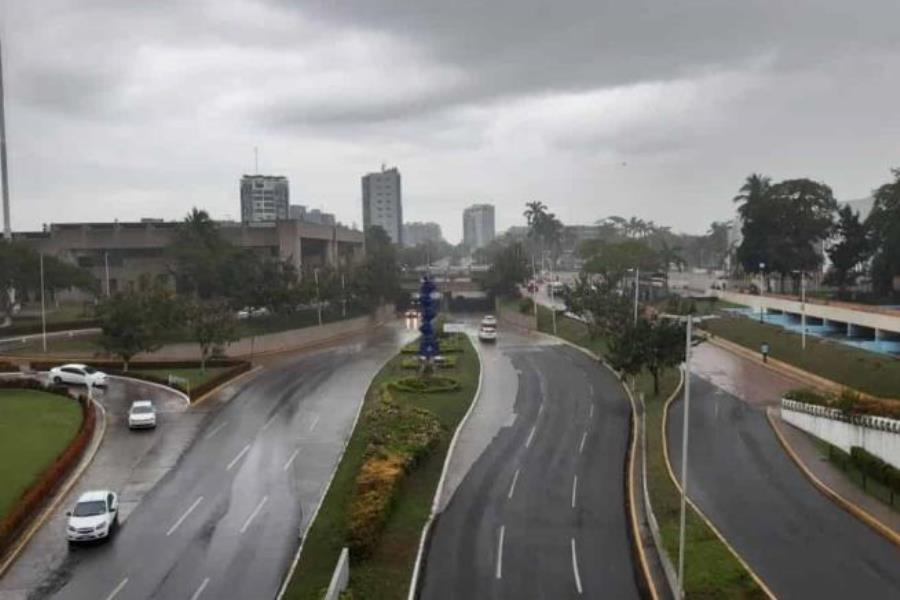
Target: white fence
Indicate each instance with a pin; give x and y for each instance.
(877, 435)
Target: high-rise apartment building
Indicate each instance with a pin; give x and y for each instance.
(478, 225)
(264, 198)
(382, 202)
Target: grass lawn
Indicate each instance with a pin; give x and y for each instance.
(386, 573)
(194, 376)
(34, 428)
(710, 571)
(85, 345)
(875, 374)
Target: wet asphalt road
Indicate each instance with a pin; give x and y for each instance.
(799, 542)
(225, 522)
(519, 525)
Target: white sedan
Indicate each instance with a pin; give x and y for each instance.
(489, 320)
(142, 415)
(78, 374)
(487, 333)
(94, 516)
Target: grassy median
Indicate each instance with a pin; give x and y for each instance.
(385, 572)
(35, 427)
(710, 571)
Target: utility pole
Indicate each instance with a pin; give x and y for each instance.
(534, 293)
(4, 175)
(318, 298)
(684, 451)
(803, 308)
(343, 297)
(43, 309)
(106, 265)
(637, 289)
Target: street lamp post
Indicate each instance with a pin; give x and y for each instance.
(637, 288)
(43, 309)
(343, 297)
(762, 287)
(318, 298)
(803, 309)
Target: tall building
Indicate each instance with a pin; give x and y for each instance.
(264, 198)
(382, 202)
(419, 233)
(478, 225)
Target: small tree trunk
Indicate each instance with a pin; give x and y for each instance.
(655, 382)
(125, 362)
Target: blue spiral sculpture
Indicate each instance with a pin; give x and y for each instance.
(428, 344)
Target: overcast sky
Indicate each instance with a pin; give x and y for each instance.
(126, 109)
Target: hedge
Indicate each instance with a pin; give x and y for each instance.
(400, 436)
(848, 402)
(49, 481)
(876, 468)
(426, 385)
(449, 362)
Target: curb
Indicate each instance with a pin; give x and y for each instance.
(759, 581)
(312, 520)
(168, 388)
(854, 509)
(225, 384)
(426, 529)
(70, 482)
(635, 531)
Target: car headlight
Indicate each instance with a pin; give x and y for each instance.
(100, 526)
(72, 529)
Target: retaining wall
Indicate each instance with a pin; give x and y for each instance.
(877, 435)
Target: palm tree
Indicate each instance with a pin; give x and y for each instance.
(755, 189)
(534, 211)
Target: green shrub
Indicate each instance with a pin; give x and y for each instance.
(526, 306)
(848, 402)
(807, 396)
(449, 362)
(426, 385)
(876, 468)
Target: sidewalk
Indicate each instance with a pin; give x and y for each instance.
(806, 450)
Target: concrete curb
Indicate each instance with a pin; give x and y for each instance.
(426, 529)
(224, 384)
(305, 532)
(70, 482)
(849, 506)
(700, 513)
(184, 397)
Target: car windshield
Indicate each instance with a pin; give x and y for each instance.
(139, 410)
(91, 508)
(90, 370)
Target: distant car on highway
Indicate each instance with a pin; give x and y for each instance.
(249, 312)
(94, 517)
(78, 374)
(487, 333)
(142, 415)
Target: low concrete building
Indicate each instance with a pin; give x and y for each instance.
(134, 254)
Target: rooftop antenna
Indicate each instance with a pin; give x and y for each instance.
(7, 231)
(256, 159)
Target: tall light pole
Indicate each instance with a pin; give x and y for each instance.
(637, 288)
(803, 308)
(762, 287)
(7, 228)
(343, 296)
(684, 450)
(318, 298)
(106, 265)
(43, 309)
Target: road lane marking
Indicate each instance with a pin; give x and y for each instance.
(591, 414)
(200, 589)
(216, 430)
(574, 490)
(254, 513)
(314, 423)
(512, 488)
(530, 437)
(117, 589)
(269, 422)
(499, 573)
(238, 457)
(290, 461)
(184, 516)
(575, 568)
(541, 409)
(581, 445)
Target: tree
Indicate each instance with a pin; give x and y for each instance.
(509, 268)
(213, 325)
(612, 261)
(852, 248)
(199, 255)
(599, 303)
(664, 348)
(132, 323)
(627, 348)
(884, 223)
(377, 279)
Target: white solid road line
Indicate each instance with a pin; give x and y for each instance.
(530, 437)
(254, 513)
(290, 461)
(314, 423)
(512, 488)
(117, 589)
(581, 445)
(499, 573)
(591, 415)
(184, 516)
(238, 457)
(216, 430)
(574, 490)
(200, 589)
(541, 409)
(575, 568)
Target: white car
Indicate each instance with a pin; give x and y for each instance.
(78, 374)
(141, 415)
(94, 516)
(487, 333)
(490, 320)
(249, 312)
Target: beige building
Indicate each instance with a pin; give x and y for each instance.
(133, 253)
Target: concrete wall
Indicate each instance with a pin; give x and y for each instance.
(872, 317)
(877, 435)
(278, 342)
